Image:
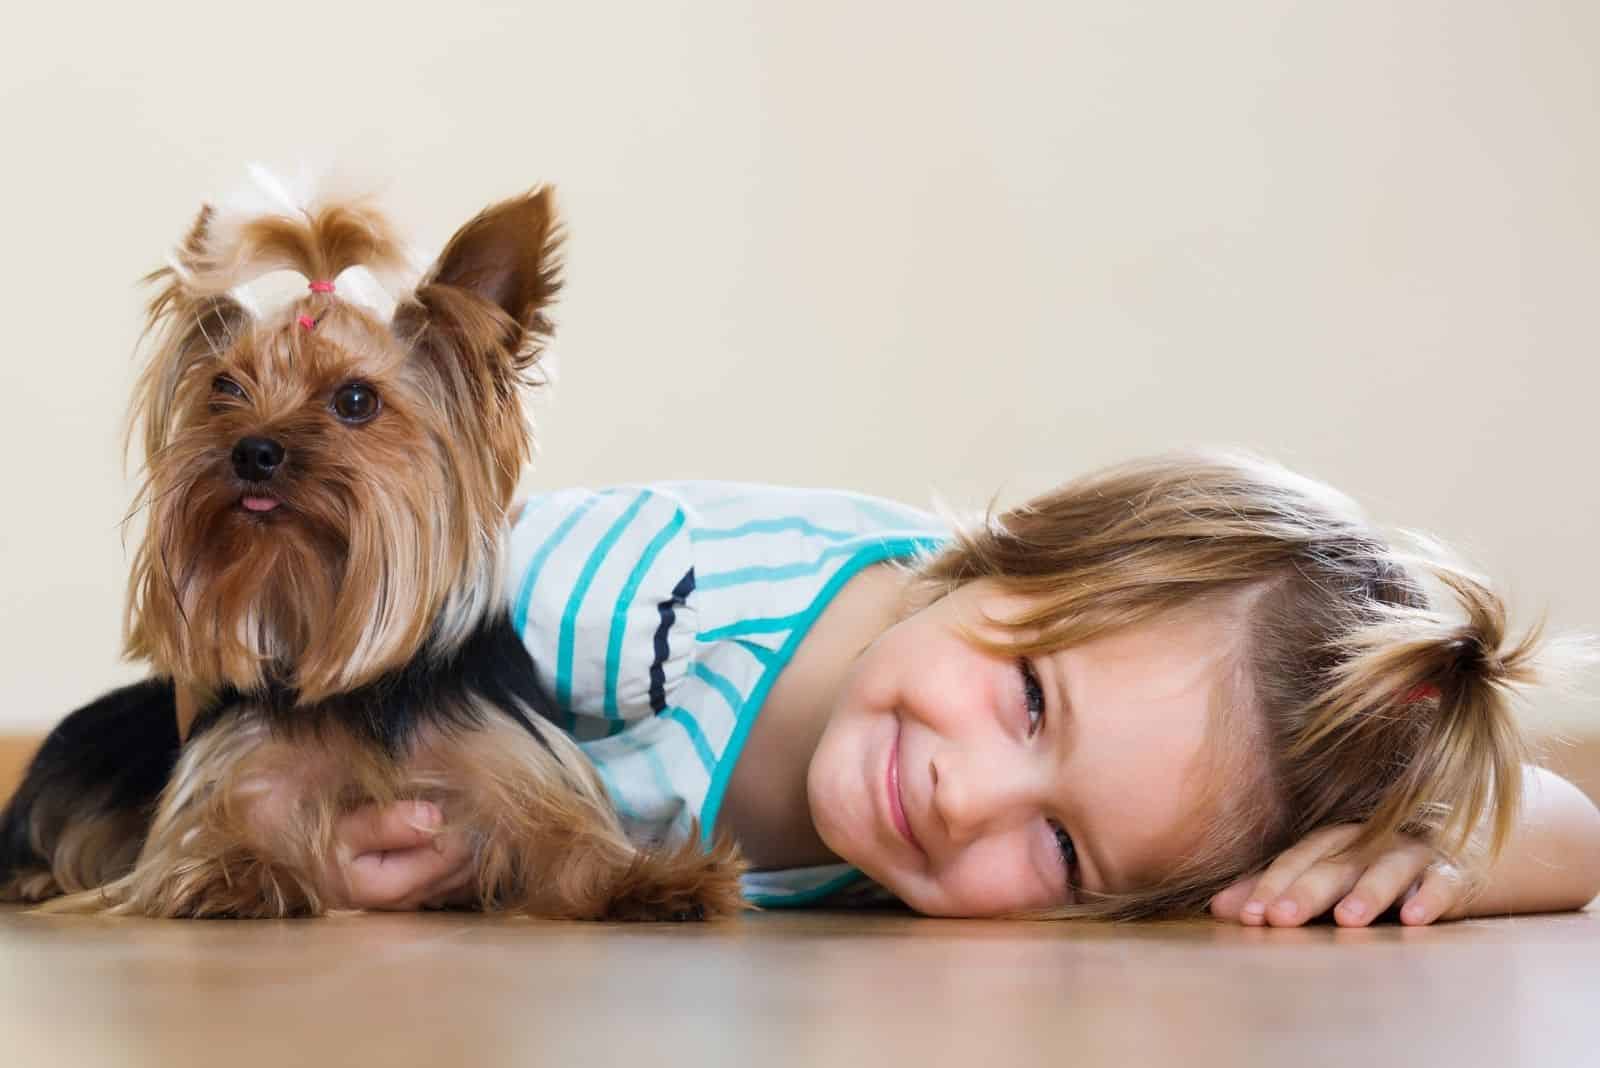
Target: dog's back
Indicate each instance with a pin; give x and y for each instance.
(80, 815)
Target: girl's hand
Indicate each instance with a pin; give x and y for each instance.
(1309, 878)
(395, 858)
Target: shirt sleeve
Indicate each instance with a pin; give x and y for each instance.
(599, 584)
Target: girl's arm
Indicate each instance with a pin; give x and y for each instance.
(1551, 863)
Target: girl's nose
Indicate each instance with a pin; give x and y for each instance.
(973, 794)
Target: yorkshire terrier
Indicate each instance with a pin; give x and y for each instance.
(319, 594)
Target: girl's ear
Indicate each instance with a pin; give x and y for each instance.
(506, 257)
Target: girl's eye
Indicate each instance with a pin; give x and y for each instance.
(355, 402)
(1068, 851)
(224, 384)
(1032, 696)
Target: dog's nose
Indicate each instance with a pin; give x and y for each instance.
(255, 459)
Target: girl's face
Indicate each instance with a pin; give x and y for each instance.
(976, 785)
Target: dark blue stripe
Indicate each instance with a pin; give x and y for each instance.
(668, 610)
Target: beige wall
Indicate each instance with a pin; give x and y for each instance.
(906, 248)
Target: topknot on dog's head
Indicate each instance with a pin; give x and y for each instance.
(308, 226)
(204, 300)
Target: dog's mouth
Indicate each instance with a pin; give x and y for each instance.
(258, 504)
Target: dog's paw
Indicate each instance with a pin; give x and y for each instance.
(29, 887)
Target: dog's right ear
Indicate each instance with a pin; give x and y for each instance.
(188, 321)
(487, 294)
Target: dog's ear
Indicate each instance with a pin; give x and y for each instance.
(188, 321)
(506, 262)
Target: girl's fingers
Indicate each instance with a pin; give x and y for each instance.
(403, 878)
(1226, 905)
(387, 880)
(1440, 889)
(1314, 892)
(1290, 866)
(1390, 875)
(383, 828)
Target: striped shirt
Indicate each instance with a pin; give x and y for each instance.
(660, 616)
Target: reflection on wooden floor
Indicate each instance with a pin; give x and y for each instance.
(794, 989)
(800, 989)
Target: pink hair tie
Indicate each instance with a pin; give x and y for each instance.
(1424, 692)
(322, 286)
(306, 322)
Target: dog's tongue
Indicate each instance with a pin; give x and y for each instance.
(259, 504)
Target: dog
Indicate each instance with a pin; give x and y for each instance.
(318, 592)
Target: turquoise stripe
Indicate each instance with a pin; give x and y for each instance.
(696, 735)
(569, 616)
(771, 625)
(873, 553)
(619, 614)
(771, 572)
(773, 526)
(766, 656)
(805, 897)
(519, 616)
(730, 693)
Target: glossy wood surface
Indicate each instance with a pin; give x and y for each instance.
(794, 988)
(801, 989)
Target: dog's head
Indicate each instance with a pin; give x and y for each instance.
(326, 486)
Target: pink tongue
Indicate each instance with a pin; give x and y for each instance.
(259, 504)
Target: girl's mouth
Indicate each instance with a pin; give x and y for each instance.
(897, 811)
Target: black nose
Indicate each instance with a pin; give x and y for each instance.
(255, 459)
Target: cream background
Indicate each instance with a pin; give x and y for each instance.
(904, 248)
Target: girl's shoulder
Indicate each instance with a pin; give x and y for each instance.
(614, 590)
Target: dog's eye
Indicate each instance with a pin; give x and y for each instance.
(224, 384)
(355, 402)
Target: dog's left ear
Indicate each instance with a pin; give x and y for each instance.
(487, 294)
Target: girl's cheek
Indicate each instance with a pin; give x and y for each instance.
(1000, 879)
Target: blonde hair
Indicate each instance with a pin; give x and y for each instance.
(1366, 704)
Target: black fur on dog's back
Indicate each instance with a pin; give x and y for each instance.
(492, 664)
(109, 759)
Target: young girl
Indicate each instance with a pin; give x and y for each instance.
(1120, 699)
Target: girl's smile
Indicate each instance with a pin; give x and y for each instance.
(897, 808)
(971, 783)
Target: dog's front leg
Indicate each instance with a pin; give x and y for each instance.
(238, 832)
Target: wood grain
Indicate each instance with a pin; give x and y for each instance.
(778, 989)
(793, 989)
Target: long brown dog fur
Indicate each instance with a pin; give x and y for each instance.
(385, 547)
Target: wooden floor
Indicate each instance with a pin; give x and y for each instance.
(834, 990)
(800, 989)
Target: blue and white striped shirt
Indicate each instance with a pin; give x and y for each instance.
(659, 617)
